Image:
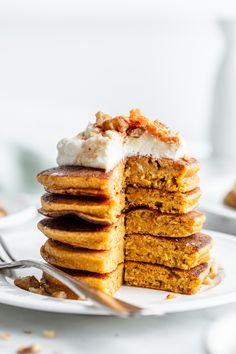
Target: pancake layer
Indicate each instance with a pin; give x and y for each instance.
(161, 200)
(97, 210)
(162, 174)
(69, 257)
(109, 283)
(183, 253)
(76, 180)
(163, 278)
(152, 222)
(79, 233)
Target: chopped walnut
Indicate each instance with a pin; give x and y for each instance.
(170, 296)
(48, 333)
(207, 281)
(5, 336)
(27, 282)
(136, 132)
(39, 291)
(32, 349)
(186, 158)
(101, 117)
(59, 294)
(118, 124)
(214, 269)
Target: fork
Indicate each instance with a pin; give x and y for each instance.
(115, 306)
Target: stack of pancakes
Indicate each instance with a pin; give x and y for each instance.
(84, 225)
(142, 212)
(164, 247)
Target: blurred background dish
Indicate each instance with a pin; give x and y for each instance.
(19, 209)
(220, 337)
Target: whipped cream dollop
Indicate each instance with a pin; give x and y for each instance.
(108, 141)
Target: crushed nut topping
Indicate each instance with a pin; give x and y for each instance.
(32, 349)
(31, 284)
(5, 336)
(59, 294)
(48, 333)
(27, 282)
(207, 281)
(186, 158)
(136, 132)
(119, 124)
(135, 124)
(214, 269)
(170, 296)
(39, 291)
(101, 117)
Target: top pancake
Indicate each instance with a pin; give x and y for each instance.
(138, 171)
(76, 180)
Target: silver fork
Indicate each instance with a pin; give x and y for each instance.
(115, 306)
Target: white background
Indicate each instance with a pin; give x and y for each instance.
(60, 62)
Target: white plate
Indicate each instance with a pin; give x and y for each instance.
(221, 336)
(27, 244)
(213, 196)
(19, 208)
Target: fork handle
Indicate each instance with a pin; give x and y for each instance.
(115, 306)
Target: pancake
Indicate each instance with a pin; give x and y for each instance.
(152, 222)
(159, 277)
(184, 253)
(161, 200)
(2, 212)
(76, 180)
(97, 210)
(70, 257)
(79, 233)
(230, 199)
(173, 176)
(109, 283)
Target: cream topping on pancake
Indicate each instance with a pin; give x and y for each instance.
(108, 141)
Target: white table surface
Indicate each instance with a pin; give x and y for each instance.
(181, 333)
(170, 334)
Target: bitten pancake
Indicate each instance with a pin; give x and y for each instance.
(76, 180)
(183, 252)
(152, 222)
(79, 233)
(97, 210)
(109, 283)
(163, 278)
(65, 256)
(165, 174)
(161, 200)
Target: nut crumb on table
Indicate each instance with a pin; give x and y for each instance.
(49, 333)
(5, 336)
(32, 349)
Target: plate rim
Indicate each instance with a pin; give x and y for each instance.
(18, 218)
(75, 307)
(221, 209)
